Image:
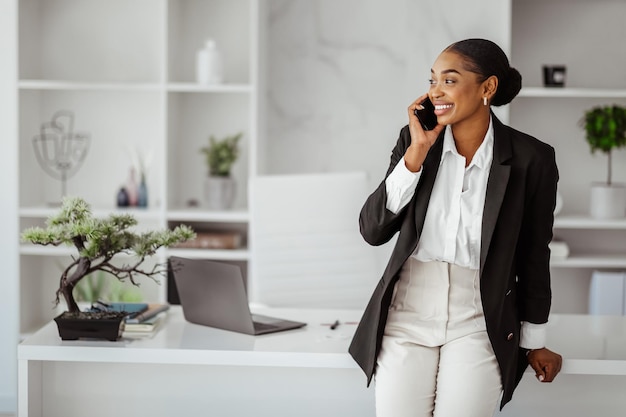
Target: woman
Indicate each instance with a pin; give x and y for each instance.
(462, 306)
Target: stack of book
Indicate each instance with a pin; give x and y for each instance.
(143, 319)
(213, 240)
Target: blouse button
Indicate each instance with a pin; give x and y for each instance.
(509, 337)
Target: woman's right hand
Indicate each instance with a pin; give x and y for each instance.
(421, 140)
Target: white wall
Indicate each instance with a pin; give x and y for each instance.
(340, 74)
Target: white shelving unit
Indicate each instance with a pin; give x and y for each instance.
(549, 32)
(126, 69)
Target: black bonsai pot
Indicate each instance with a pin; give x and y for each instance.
(90, 325)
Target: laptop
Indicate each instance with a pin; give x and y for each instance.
(213, 294)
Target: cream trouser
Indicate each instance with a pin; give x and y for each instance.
(436, 359)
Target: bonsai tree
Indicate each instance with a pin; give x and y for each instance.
(221, 154)
(605, 129)
(98, 241)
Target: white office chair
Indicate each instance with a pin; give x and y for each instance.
(306, 249)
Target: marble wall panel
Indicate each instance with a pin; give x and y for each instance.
(340, 74)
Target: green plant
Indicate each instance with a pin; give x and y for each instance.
(91, 288)
(605, 130)
(121, 292)
(98, 286)
(98, 241)
(220, 155)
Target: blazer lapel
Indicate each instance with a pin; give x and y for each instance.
(496, 186)
(427, 180)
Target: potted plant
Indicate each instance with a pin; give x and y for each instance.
(605, 130)
(97, 243)
(220, 186)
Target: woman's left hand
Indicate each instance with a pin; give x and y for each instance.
(547, 364)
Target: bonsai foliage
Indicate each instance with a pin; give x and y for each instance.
(221, 154)
(98, 241)
(605, 129)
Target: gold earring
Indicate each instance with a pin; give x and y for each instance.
(485, 100)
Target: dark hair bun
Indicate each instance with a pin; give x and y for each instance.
(508, 87)
(486, 58)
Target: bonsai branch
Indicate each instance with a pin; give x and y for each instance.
(130, 272)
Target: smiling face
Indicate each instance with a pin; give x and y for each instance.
(456, 92)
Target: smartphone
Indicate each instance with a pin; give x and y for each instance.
(427, 116)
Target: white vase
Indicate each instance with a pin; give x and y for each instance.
(209, 68)
(219, 193)
(608, 201)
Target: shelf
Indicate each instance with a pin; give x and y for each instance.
(104, 86)
(39, 250)
(558, 92)
(86, 86)
(217, 88)
(222, 255)
(40, 212)
(586, 222)
(590, 261)
(200, 215)
(62, 250)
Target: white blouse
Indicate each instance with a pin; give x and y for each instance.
(452, 227)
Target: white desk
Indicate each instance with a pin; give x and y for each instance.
(191, 370)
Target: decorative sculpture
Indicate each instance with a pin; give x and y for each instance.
(60, 152)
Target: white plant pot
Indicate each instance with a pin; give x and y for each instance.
(608, 201)
(219, 193)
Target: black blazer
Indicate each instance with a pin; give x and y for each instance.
(514, 259)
